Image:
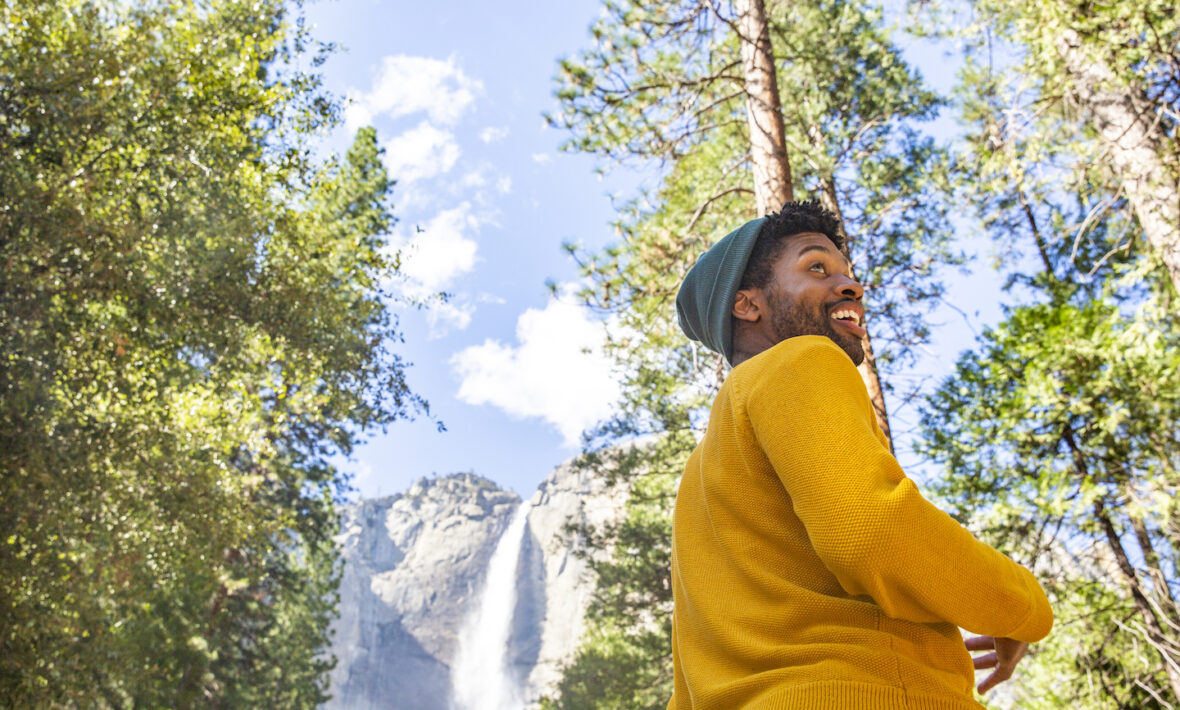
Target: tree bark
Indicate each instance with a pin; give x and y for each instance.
(1157, 638)
(1155, 572)
(1036, 232)
(768, 144)
(1160, 640)
(1132, 137)
(868, 367)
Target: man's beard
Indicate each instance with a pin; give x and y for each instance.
(790, 320)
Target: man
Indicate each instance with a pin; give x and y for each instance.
(807, 570)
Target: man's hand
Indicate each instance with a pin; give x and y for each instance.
(1006, 653)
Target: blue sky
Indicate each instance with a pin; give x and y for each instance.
(457, 92)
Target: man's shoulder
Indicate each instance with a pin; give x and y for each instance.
(809, 371)
(800, 354)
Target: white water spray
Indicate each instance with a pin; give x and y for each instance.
(481, 677)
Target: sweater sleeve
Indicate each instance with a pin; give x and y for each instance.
(867, 521)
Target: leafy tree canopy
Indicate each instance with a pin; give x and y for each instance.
(192, 325)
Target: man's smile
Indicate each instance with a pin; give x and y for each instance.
(850, 315)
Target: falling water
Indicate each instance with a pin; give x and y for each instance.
(481, 677)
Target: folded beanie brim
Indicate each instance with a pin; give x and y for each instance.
(704, 304)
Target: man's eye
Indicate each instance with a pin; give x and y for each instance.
(817, 266)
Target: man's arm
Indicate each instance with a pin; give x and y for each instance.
(868, 523)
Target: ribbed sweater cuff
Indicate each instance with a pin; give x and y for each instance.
(844, 695)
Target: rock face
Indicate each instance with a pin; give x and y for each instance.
(562, 577)
(414, 567)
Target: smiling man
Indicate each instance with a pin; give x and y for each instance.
(808, 572)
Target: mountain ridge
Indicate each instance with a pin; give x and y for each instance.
(414, 566)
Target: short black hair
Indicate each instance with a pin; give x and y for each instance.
(794, 218)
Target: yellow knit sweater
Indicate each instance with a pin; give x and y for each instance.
(808, 572)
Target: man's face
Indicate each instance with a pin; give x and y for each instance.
(812, 292)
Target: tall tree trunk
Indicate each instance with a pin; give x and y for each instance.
(868, 368)
(1132, 137)
(768, 151)
(768, 144)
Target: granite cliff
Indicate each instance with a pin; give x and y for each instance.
(414, 567)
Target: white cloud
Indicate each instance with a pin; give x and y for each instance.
(432, 258)
(486, 176)
(557, 371)
(439, 252)
(408, 85)
(540, 158)
(421, 152)
(473, 179)
(356, 114)
(492, 134)
(443, 316)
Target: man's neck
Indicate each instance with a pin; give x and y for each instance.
(740, 357)
(748, 342)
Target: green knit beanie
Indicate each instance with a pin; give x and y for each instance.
(705, 300)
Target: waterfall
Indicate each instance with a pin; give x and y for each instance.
(480, 676)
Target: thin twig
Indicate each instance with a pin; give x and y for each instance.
(1093, 215)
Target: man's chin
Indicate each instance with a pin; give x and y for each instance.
(851, 347)
(857, 353)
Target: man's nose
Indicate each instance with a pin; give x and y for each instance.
(850, 288)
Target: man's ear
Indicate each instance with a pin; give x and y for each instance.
(747, 305)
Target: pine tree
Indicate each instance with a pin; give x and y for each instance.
(1059, 441)
(1087, 102)
(667, 83)
(1058, 432)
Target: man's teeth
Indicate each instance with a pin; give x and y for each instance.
(851, 315)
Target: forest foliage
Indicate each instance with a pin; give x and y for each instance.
(1056, 438)
(193, 325)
